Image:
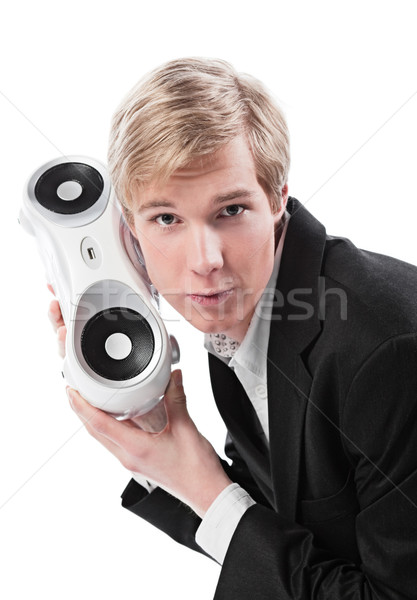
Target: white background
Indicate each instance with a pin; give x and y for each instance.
(345, 75)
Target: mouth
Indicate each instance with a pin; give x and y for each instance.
(211, 297)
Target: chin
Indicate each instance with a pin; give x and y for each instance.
(235, 329)
(209, 326)
(206, 326)
(229, 323)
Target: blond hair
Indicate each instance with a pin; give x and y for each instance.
(188, 108)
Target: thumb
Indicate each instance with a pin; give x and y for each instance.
(175, 400)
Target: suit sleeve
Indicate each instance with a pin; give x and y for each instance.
(165, 512)
(272, 558)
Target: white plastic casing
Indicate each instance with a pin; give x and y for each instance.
(92, 265)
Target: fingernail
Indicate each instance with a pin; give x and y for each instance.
(178, 378)
(69, 394)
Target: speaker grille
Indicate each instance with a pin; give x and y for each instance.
(46, 188)
(117, 320)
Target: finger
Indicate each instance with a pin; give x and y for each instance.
(125, 459)
(111, 446)
(122, 434)
(117, 452)
(61, 337)
(50, 288)
(175, 400)
(55, 315)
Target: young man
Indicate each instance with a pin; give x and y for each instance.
(312, 349)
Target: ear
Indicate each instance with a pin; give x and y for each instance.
(129, 220)
(284, 199)
(284, 195)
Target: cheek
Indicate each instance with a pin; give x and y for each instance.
(163, 269)
(255, 250)
(154, 259)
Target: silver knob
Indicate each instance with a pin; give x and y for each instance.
(175, 350)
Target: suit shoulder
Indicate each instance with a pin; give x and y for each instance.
(382, 287)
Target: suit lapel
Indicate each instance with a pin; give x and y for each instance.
(288, 390)
(294, 326)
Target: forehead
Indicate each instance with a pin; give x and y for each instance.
(229, 169)
(233, 155)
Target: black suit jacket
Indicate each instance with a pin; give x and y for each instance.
(336, 492)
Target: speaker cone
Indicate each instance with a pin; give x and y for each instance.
(117, 343)
(69, 188)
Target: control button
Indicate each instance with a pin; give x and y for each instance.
(69, 190)
(118, 346)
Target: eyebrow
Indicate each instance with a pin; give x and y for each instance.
(221, 199)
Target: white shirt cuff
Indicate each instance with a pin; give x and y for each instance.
(141, 480)
(221, 519)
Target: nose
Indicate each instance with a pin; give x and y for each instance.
(204, 250)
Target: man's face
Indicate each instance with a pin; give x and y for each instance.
(207, 237)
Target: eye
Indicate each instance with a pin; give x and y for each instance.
(232, 210)
(165, 219)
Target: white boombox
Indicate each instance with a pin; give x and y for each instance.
(118, 353)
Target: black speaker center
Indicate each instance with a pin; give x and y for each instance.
(69, 188)
(117, 343)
